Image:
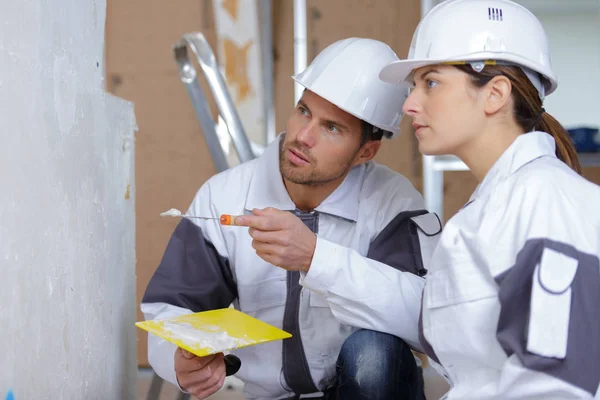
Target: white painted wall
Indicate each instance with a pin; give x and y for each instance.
(67, 251)
(575, 47)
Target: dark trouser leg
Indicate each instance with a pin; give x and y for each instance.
(377, 366)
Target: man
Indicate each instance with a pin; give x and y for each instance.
(335, 253)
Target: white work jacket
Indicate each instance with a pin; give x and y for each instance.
(511, 307)
(374, 240)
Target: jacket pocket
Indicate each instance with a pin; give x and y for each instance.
(263, 294)
(317, 300)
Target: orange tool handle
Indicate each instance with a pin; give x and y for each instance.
(227, 219)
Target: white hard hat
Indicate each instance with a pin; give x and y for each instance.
(479, 30)
(346, 74)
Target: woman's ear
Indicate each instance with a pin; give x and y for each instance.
(499, 90)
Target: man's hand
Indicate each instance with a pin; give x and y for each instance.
(199, 376)
(280, 238)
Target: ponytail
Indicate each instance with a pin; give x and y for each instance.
(565, 150)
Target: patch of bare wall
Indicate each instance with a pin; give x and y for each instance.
(67, 250)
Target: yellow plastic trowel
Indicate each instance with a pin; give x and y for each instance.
(214, 331)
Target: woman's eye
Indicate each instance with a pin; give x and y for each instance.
(431, 84)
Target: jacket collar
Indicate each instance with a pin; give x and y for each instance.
(526, 148)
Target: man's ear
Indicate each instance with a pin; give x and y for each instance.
(499, 90)
(367, 152)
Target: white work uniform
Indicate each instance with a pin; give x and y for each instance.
(373, 240)
(511, 307)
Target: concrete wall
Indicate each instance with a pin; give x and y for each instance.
(67, 250)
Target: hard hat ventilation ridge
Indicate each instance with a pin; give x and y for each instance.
(495, 14)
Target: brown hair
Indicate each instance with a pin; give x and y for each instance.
(369, 132)
(528, 112)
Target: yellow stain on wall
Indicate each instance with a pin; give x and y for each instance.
(128, 192)
(231, 6)
(236, 67)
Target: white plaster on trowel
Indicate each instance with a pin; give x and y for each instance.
(211, 338)
(173, 212)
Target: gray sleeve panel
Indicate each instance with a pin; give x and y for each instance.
(192, 274)
(580, 367)
(397, 245)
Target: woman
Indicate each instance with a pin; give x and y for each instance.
(511, 308)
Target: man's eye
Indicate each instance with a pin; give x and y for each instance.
(332, 128)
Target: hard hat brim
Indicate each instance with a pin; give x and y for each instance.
(397, 71)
